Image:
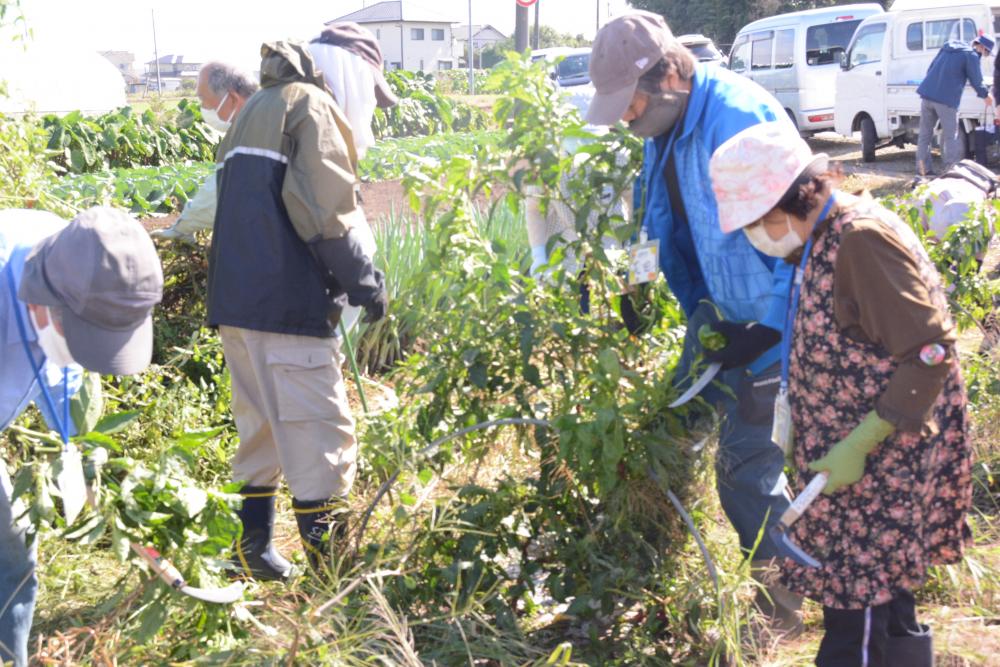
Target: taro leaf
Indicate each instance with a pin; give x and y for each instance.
(87, 406)
(77, 160)
(116, 422)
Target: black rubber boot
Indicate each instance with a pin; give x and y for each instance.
(255, 555)
(911, 650)
(320, 523)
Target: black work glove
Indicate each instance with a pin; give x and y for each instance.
(349, 270)
(745, 341)
(376, 308)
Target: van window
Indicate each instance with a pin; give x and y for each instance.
(740, 54)
(825, 42)
(784, 49)
(867, 46)
(938, 32)
(760, 52)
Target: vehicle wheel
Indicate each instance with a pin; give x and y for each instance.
(868, 139)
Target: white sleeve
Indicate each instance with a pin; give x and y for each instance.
(199, 212)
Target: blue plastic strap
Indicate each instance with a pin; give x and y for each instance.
(36, 366)
(793, 302)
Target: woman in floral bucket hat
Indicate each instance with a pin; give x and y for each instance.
(871, 381)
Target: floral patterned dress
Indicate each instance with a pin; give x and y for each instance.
(907, 512)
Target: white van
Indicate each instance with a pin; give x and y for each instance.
(796, 57)
(886, 62)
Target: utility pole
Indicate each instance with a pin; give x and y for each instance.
(521, 29)
(534, 42)
(598, 24)
(156, 57)
(402, 55)
(472, 56)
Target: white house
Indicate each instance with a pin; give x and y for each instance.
(411, 38)
(482, 36)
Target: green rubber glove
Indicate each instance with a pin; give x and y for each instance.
(846, 460)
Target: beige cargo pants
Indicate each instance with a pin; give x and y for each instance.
(291, 412)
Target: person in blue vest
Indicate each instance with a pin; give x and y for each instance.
(941, 93)
(72, 295)
(648, 79)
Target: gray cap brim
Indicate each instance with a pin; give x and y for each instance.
(108, 351)
(608, 108)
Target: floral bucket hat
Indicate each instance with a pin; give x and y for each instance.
(752, 171)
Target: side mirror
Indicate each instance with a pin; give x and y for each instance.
(844, 62)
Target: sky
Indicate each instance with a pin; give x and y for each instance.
(232, 30)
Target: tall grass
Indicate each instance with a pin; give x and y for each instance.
(403, 243)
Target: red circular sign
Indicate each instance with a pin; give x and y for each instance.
(526, 3)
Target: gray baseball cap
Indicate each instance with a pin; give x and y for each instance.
(624, 49)
(102, 276)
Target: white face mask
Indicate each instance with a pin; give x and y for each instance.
(212, 117)
(783, 247)
(52, 342)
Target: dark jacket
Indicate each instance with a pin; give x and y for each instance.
(996, 80)
(286, 190)
(953, 65)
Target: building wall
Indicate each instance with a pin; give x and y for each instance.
(427, 54)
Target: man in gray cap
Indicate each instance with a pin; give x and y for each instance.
(77, 294)
(685, 110)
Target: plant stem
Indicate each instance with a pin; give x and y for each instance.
(354, 366)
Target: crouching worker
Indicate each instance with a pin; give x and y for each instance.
(71, 295)
(875, 395)
(285, 259)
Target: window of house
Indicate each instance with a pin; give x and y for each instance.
(825, 42)
(417, 34)
(437, 34)
(445, 64)
(784, 49)
(378, 33)
(740, 54)
(761, 50)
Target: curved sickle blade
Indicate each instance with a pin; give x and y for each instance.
(700, 383)
(173, 578)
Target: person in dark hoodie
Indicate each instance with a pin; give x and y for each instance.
(940, 93)
(285, 259)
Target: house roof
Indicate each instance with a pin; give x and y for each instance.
(462, 33)
(167, 60)
(393, 10)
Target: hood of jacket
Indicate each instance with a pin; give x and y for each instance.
(956, 45)
(288, 62)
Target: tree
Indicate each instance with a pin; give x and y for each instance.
(722, 19)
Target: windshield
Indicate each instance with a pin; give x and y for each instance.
(705, 51)
(573, 66)
(825, 43)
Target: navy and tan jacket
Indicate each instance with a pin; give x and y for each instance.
(286, 188)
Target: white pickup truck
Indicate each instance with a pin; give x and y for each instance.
(888, 58)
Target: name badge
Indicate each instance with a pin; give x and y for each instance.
(781, 427)
(644, 262)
